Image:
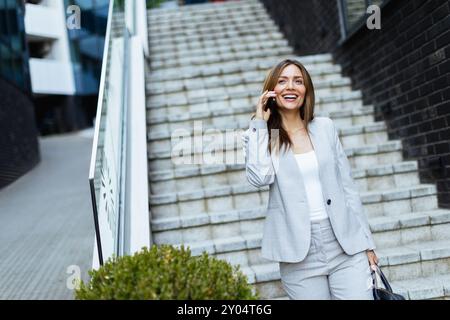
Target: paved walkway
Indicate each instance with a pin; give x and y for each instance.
(46, 222)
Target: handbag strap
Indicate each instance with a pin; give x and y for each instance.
(383, 278)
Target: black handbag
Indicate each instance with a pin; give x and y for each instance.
(385, 293)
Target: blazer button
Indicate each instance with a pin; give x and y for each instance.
(328, 201)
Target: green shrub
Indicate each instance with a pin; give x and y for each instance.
(166, 272)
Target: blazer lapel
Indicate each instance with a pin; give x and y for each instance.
(320, 149)
(290, 174)
(317, 144)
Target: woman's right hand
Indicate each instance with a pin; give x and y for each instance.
(263, 100)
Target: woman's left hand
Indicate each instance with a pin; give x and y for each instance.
(373, 259)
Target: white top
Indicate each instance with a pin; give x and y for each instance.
(309, 167)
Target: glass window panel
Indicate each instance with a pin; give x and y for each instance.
(87, 43)
(17, 69)
(12, 25)
(2, 61)
(19, 74)
(355, 11)
(12, 43)
(3, 58)
(84, 4)
(3, 31)
(6, 61)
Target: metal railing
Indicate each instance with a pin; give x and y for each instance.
(110, 178)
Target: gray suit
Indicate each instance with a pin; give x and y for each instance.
(287, 228)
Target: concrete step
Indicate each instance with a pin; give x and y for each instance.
(356, 6)
(430, 260)
(381, 177)
(226, 56)
(206, 44)
(251, 68)
(389, 202)
(201, 155)
(242, 62)
(386, 176)
(428, 286)
(400, 264)
(421, 288)
(201, 23)
(249, 87)
(228, 53)
(243, 113)
(436, 287)
(213, 175)
(249, 79)
(356, 10)
(363, 134)
(393, 202)
(181, 108)
(160, 141)
(218, 46)
(194, 39)
(410, 228)
(181, 105)
(202, 230)
(213, 24)
(200, 11)
(200, 14)
(173, 14)
(222, 115)
(354, 116)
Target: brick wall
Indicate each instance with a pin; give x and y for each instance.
(402, 69)
(19, 150)
(310, 26)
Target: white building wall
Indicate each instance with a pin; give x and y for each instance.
(47, 22)
(49, 76)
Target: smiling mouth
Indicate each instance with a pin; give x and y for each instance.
(290, 97)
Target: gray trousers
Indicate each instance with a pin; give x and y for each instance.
(327, 272)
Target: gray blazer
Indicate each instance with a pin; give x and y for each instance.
(287, 233)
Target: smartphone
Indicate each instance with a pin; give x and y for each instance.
(271, 103)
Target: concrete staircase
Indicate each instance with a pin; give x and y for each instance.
(356, 9)
(208, 63)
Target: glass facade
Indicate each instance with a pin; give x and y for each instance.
(86, 44)
(13, 48)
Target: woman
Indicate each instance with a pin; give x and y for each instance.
(315, 225)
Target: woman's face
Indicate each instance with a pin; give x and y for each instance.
(290, 88)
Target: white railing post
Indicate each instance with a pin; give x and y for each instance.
(118, 172)
(136, 21)
(130, 24)
(142, 25)
(137, 208)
